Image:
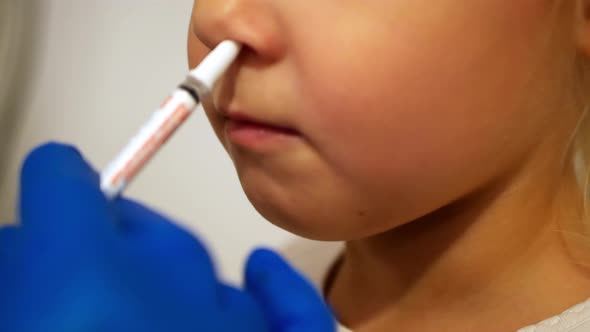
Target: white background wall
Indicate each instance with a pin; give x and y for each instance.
(102, 68)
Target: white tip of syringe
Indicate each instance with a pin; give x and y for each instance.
(214, 65)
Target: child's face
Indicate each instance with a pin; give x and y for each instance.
(400, 106)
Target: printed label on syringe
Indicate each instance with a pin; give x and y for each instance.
(159, 128)
(170, 115)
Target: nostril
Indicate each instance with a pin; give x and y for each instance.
(250, 57)
(253, 24)
(248, 54)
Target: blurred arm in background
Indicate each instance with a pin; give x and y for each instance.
(20, 21)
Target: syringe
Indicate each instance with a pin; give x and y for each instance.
(167, 119)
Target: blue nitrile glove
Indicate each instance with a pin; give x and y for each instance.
(80, 263)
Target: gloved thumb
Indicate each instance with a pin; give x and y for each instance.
(60, 197)
(289, 301)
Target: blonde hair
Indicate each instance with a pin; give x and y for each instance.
(581, 136)
(581, 157)
(577, 152)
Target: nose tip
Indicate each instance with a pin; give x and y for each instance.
(250, 23)
(213, 66)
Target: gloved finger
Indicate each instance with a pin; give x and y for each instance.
(242, 307)
(172, 251)
(9, 259)
(10, 236)
(60, 198)
(288, 299)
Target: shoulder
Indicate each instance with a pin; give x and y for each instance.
(314, 259)
(575, 319)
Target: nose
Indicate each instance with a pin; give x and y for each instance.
(253, 23)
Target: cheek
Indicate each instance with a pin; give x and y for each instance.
(433, 110)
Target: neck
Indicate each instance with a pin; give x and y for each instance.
(486, 256)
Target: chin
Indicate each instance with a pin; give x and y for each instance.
(311, 206)
(301, 223)
(287, 220)
(308, 219)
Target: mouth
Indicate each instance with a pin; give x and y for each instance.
(256, 134)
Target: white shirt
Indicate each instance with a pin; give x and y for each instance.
(314, 259)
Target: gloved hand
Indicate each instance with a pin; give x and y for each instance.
(80, 263)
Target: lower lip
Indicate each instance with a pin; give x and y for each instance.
(254, 135)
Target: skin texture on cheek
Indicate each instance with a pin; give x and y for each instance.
(432, 141)
(424, 99)
(412, 107)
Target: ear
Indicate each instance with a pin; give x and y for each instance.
(582, 18)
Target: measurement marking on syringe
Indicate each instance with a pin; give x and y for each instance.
(159, 137)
